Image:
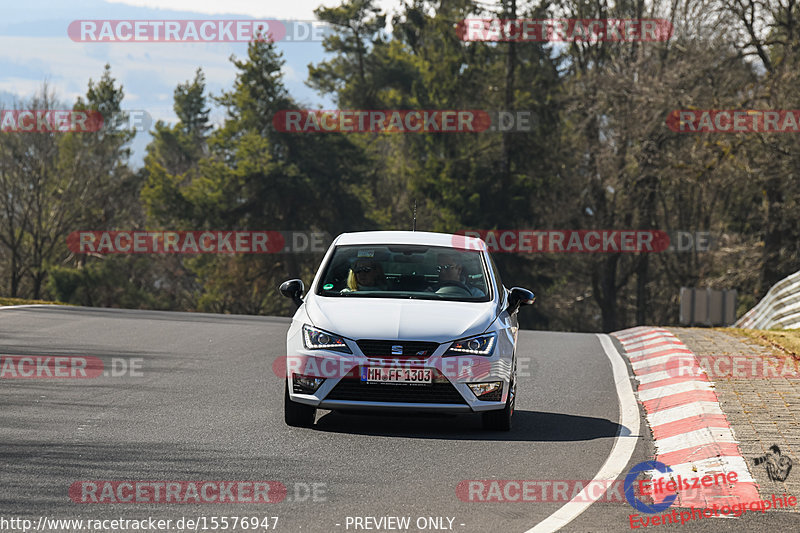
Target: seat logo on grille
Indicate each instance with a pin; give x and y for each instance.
(397, 349)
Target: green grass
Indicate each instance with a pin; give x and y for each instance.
(786, 340)
(23, 301)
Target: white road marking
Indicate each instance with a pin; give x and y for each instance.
(632, 333)
(620, 453)
(694, 439)
(693, 436)
(25, 305)
(680, 360)
(666, 348)
(712, 465)
(675, 388)
(684, 411)
(645, 339)
(652, 377)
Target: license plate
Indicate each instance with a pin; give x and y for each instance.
(380, 374)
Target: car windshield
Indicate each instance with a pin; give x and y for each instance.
(405, 271)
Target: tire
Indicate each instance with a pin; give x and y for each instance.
(500, 420)
(297, 415)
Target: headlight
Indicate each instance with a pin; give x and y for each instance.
(316, 339)
(480, 345)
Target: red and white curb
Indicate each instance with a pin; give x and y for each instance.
(691, 433)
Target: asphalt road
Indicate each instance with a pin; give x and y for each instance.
(204, 404)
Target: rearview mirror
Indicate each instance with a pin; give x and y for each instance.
(293, 289)
(517, 297)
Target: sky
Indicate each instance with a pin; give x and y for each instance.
(35, 47)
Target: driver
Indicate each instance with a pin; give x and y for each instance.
(451, 274)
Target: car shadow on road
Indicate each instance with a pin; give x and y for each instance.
(527, 426)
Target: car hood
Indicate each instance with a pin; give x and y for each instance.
(396, 319)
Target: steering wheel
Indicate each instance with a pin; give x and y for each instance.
(446, 284)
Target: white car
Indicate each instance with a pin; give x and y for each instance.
(407, 321)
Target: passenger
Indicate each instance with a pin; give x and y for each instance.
(366, 275)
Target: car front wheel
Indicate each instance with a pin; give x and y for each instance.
(500, 420)
(297, 414)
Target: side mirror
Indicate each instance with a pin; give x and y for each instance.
(518, 297)
(293, 289)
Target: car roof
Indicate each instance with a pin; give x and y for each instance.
(411, 237)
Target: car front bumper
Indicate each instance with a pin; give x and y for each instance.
(463, 400)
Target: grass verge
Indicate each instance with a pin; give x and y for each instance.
(23, 301)
(785, 340)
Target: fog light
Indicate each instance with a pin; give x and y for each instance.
(306, 384)
(490, 392)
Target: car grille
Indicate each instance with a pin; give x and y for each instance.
(358, 391)
(383, 349)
